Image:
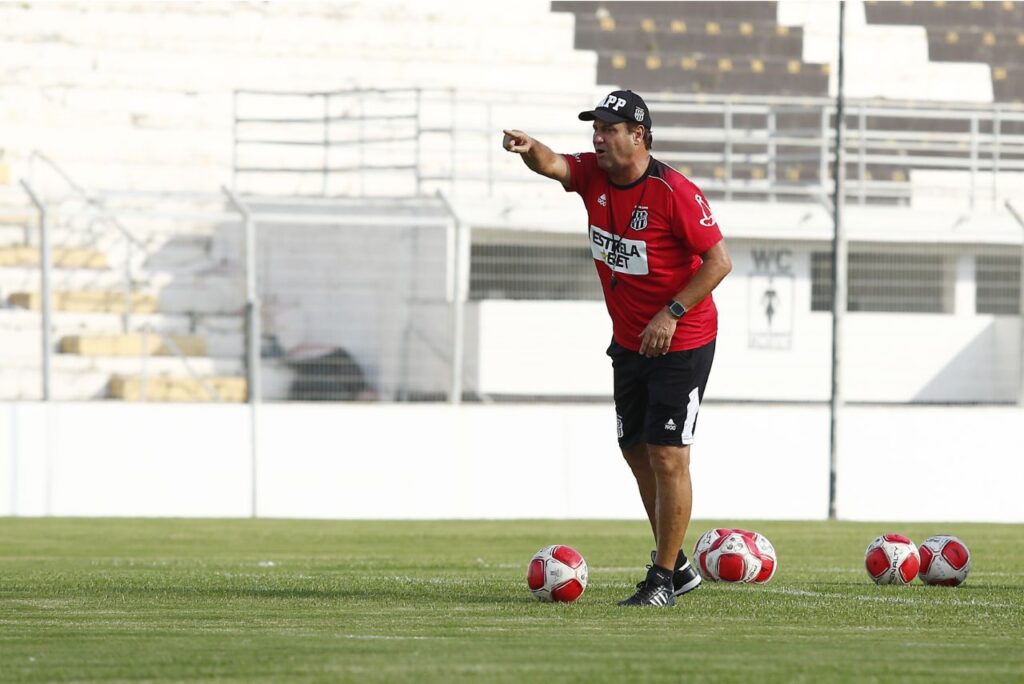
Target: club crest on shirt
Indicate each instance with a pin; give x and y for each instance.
(602, 200)
(638, 221)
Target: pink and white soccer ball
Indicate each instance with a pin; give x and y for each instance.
(727, 555)
(945, 560)
(557, 573)
(892, 559)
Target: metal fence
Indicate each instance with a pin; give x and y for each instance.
(734, 147)
(366, 278)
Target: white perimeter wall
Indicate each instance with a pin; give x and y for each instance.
(477, 461)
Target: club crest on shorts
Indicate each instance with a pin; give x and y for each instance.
(638, 221)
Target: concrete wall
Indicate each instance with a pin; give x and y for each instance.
(499, 461)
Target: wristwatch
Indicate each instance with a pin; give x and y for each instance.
(676, 309)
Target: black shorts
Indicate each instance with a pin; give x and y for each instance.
(657, 399)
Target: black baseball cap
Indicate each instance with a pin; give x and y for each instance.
(619, 106)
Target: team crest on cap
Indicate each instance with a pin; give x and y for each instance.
(638, 114)
(638, 221)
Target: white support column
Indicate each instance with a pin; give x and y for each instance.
(965, 286)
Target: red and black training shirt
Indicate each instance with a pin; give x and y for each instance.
(651, 233)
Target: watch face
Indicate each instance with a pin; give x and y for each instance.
(676, 309)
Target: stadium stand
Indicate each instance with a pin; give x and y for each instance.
(137, 97)
(704, 48)
(989, 32)
(700, 47)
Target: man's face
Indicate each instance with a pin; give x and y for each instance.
(614, 144)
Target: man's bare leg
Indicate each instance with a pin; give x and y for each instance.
(674, 500)
(640, 463)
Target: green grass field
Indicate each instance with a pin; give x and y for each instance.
(241, 600)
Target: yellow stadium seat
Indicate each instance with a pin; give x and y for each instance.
(134, 388)
(135, 344)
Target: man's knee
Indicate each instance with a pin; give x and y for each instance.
(636, 456)
(669, 460)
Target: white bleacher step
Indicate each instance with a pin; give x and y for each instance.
(166, 365)
(180, 253)
(76, 323)
(26, 343)
(203, 294)
(24, 382)
(29, 280)
(185, 389)
(12, 235)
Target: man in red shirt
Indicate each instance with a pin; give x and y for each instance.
(659, 253)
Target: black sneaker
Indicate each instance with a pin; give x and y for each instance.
(651, 592)
(685, 578)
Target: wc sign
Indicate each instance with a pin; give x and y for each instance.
(770, 299)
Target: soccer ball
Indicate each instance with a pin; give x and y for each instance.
(557, 573)
(945, 560)
(769, 560)
(892, 559)
(727, 555)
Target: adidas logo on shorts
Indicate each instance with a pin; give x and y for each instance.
(670, 425)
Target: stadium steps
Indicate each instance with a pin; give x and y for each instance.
(134, 344)
(75, 377)
(137, 388)
(61, 257)
(87, 300)
(67, 323)
(196, 297)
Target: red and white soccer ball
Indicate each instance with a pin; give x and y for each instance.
(945, 560)
(557, 573)
(892, 559)
(769, 559)
(734, 555)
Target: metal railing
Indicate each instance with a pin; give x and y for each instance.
(735, 147)
(68, 206)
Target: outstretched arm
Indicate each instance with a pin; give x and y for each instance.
(537, 156)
